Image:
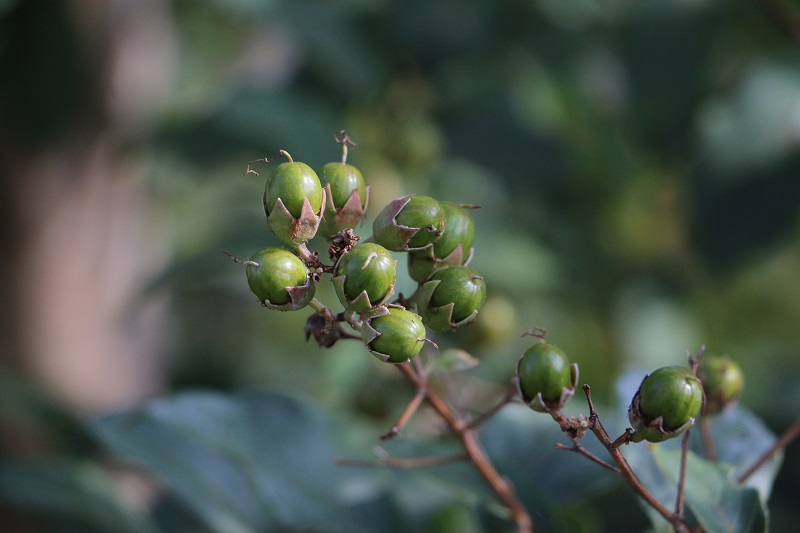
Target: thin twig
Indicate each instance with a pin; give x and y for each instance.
(580, 450)
(625, 469)
(408, 412)
(708, 439)
(414, 462)
(508, 398)
(679, 499)
(474, 450)
(788, 436)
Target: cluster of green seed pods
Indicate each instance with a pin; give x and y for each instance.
(437, 236)
(301, 204)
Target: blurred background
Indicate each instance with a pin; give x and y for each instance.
(637, 167)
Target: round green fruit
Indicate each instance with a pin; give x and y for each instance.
(292, 183)
(393, 334)
(673, 393)
(459, 230)
(409, 223)
(344, 180)
(279, 279)
(451, 298)
(544, 369)
(666, 404)
(723, 382)
(364, 277)
(453, 248)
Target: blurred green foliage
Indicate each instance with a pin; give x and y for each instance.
(636, 165)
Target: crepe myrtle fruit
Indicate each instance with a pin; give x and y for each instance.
(364, 277)
(393, 334)
(294, 201)
(453, 248)
(451, 298)
(723, 382)
(666, 404)
(279, 279)
(545, 379)
(346, 195)
(409, 223)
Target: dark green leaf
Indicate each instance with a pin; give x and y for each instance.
(244, 463)
(719, 503)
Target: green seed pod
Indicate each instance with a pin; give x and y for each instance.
(364, 277)
(347, 197)
(454, 247)
(545, 379)
(279, 279)
(666, 404)
(409, 223)
(293, 202)
(451, 298)
(393, 334)
(723, 382)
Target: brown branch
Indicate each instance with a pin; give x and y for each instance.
(508, 398)
(580, 450)
(408, 412)
(474, 451)
(708, 439)
(682, 475)
(788, 436)
(625, 469)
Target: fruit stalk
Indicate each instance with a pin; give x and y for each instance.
(474, 450)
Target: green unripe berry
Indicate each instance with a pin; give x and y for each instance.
(346, 200)
(293, 182)
(393, 334)
(459, 230)
(364, 277)
(409, 223)
(344, 180)
(451, 298)
(454, 247)
(279, 279)
(544, 369)
(666, 404)
(723, 382)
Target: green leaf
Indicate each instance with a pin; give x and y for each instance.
(520, 443)
(59, 491)
(243, 463)
(719, 503)
(740, 439)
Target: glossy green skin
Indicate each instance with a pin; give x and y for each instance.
(343, 179)
(409, 222)
(425, 213)
(292, 182)
(278, 269)
(402, 335)
(367, 267)
(673, 393)
(544, 368)
(723, 382)
(458, 229)
(460, 286)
